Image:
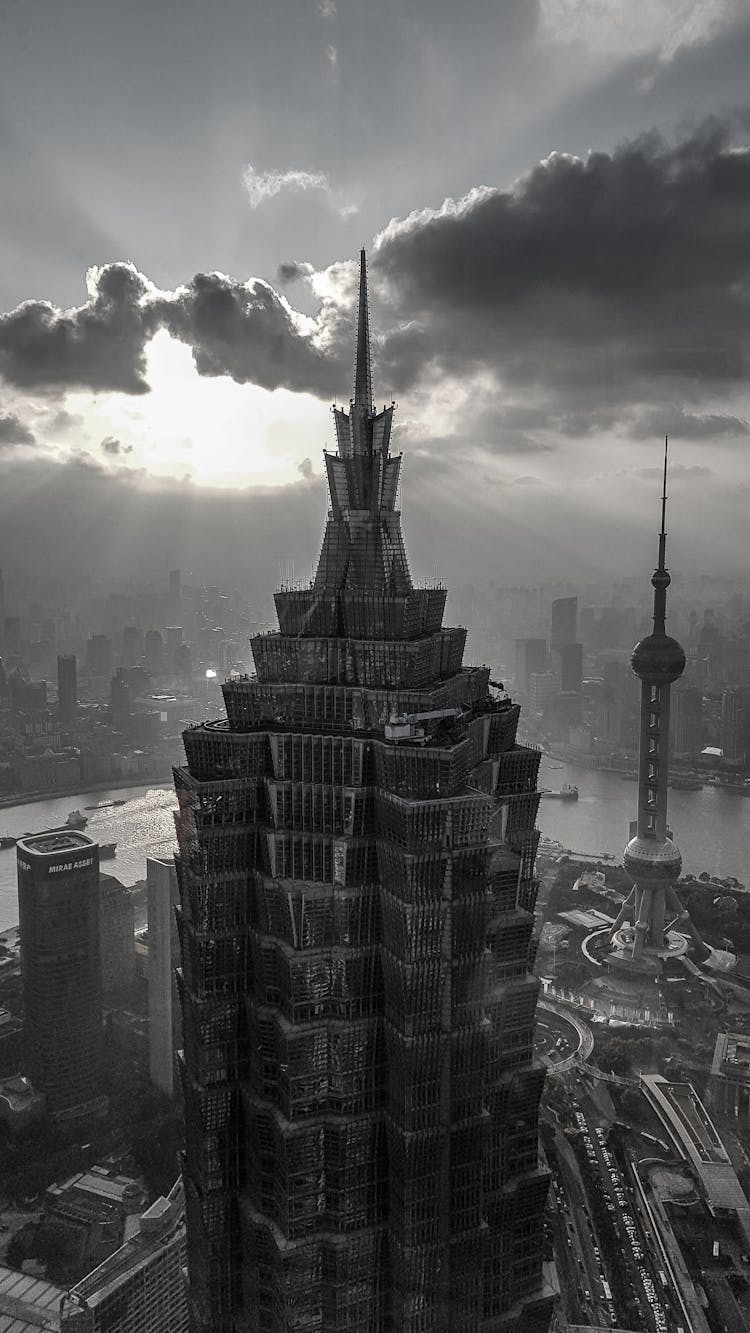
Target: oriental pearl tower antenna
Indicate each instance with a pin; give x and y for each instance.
(642, 937)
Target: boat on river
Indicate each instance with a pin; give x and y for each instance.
(105, 805)
(566, 793)
(75, 820)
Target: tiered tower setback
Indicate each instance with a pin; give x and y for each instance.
(356, 872)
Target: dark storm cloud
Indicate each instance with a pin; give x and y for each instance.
(591, 286)
(600, 275)
(13, 431)
(99, 345)
(245, 330)
(677, 423)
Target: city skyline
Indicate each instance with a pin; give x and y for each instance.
(563, 282)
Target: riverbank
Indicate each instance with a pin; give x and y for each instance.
(54, 793)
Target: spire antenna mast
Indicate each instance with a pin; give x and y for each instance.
(663, 533)
(362, 369)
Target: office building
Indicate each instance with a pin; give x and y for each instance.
(58, 906)
(132, 645)
(687, 721)
(564, 622)
(120, 702)
(356, 874)
(175, 585)
(141, 1287)
(729, 1087)
(27, 696)
(154, 652)
(67, 688)
(116, 938)
(544, 686)
(735, 718)
(568, 660)
(11, 635)
(99, 655)
(531, 659)
(164, 1027)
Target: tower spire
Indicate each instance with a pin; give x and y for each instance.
(362, 371)
(660, 579)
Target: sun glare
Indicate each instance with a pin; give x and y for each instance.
(215, 431)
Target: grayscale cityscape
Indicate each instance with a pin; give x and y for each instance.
(374, 667)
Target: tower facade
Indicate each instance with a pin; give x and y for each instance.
(356, 874)
(67, 687)
(161, 897)
(58, 905)
(639, 936)
(563, 622)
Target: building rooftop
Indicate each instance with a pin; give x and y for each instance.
(588, 920)
(27, 1303)
(51, 844)
(157, 1226)
(19, 1093)
(120, 1190)
(732, 1056)
(683, 1114)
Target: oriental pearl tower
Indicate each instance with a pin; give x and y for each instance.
(643, 936)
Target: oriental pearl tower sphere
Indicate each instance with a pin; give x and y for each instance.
(640, 940)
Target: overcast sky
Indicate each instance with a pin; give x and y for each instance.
(555, 200)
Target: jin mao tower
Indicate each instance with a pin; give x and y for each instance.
(356, 874)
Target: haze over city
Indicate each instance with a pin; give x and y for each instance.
(554, 198)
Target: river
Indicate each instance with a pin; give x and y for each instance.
(142, 827)
(711, 826)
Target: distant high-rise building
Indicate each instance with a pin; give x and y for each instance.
(141, 1287)
(568, 658)
(174, 637)
(67, 687)
(132, 645)
(356, 873)
(99, 655)
(175, 584)
(58, 906)
(531, 658)
(544, 686)
(564, 622)
(116, 938)
(183, 662)
(154, 652)
(11, 635)
(27, 696)
(120, 702)
(687, 721)
(163, 955)
(735, 715)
